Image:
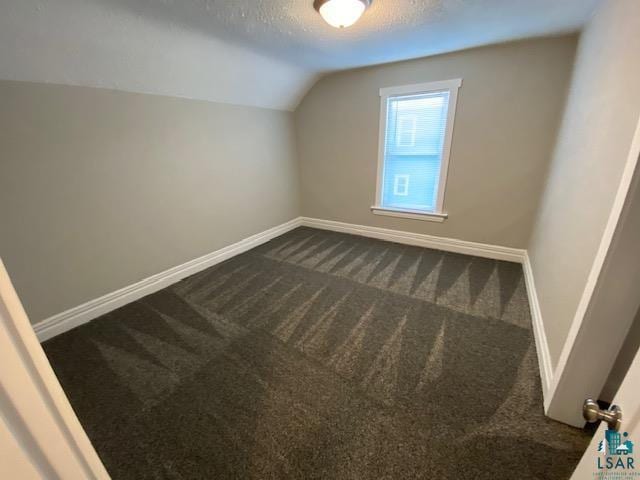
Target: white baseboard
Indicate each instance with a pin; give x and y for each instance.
(421, 240)
(469, 248)
(86, 312)
(542, 346)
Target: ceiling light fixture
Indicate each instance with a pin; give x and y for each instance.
(341, 13)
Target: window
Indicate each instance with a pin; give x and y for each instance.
(401, 185)
(416, 128)
(406, 130)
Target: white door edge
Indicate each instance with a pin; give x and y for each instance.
(33, 406)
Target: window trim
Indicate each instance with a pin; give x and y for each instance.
(452, 86)
(411, 214)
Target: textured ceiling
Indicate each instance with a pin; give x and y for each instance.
(256, 52)
(101, 44)
(389, 30)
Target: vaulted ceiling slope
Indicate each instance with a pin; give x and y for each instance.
(262, 53)
(101, 43)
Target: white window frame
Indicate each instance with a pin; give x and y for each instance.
(404, 184)
(452, 86)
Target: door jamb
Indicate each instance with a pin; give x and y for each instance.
(33, 404)
(579, 372)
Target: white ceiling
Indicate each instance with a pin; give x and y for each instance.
(255, 52)
(389, 30)
(101, 44)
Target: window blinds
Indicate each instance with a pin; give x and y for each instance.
(414, 138)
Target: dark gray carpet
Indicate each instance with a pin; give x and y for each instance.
(320, 355)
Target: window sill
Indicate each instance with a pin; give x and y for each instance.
(411, 214)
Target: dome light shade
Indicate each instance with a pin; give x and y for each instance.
(341, 13)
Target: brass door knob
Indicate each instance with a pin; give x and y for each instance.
(592, 413)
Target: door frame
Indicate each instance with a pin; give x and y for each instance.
(33, 407)
(606, 309)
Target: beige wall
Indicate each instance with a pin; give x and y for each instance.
(593, 145)
(623, 361)
(99, 189)
(509, 109)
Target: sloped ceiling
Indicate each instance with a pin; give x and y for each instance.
(103, 44)
(264, 53)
